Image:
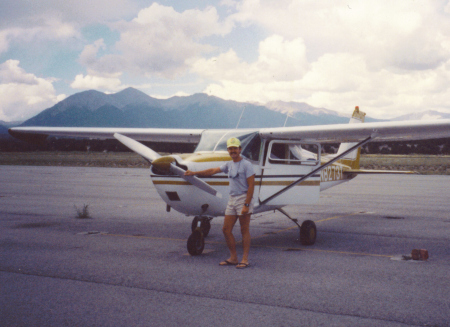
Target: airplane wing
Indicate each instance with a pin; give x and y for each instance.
(139, 134)
(343, 133)
(337, 133)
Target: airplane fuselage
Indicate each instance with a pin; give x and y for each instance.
(270, 177)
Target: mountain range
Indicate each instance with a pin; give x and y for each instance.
(133, 108)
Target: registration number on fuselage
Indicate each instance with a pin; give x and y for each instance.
(331, 173)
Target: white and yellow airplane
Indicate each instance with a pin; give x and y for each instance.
(288, 162)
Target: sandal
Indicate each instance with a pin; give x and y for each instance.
(242, 265)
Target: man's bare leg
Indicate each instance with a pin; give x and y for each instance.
(227, 230)
(244, 221)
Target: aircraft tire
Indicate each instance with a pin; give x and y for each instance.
(206, 227)
(308, 232)
(196, 243)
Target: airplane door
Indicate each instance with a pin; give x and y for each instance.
(285, 162)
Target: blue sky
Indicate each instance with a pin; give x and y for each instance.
(389, 57)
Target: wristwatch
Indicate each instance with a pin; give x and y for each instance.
(247, 205)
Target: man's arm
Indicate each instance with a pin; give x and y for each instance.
(206, 172)
(250, 191)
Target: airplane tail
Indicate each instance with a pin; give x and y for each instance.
(352, 158)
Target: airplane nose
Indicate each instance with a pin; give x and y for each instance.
(163, 163)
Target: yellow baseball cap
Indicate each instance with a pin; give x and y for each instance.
(233, 142)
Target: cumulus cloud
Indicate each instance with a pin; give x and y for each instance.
(341, 81)
(159, 42)
(403, 34)
(95, 82)
(391, 57)
(23, 94)
(279, 60)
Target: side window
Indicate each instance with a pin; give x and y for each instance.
(279, 152)
(293, 154)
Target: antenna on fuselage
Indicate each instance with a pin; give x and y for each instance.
(287, 116)
(243, 109)
(292, 117)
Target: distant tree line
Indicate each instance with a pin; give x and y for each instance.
(432, 147)
(84, 145)
(9, 144)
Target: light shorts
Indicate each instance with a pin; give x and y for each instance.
(235, 205)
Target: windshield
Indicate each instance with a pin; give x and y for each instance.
(216, 140)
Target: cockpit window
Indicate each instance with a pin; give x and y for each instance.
(216, 140)
(293, 154)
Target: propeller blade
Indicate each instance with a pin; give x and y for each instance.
(194, 180)
(137, 147)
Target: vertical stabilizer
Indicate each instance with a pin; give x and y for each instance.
(352, 159)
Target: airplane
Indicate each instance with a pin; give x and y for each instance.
(288, 161)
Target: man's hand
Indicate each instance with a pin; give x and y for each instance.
(189, 173)
(244, 210)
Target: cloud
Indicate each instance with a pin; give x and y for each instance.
(107, 83)
(337, 81)
(403, 34)
(341, 81)
(23, 13)
(22, 94)
(390, 58)
(159, 42)
(48, 30)
(279, 60)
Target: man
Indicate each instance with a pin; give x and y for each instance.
(242, 185)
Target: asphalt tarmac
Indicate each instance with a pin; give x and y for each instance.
(128, 265)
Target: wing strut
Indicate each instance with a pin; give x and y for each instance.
(315, 171)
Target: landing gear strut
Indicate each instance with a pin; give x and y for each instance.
(200, 229)
(205, 224)
(308, 230)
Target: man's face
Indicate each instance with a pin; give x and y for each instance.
(234, 151)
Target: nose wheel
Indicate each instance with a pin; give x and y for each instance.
(196, 243)
(200, 229)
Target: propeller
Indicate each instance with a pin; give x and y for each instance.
(137, 147)
(164, 163)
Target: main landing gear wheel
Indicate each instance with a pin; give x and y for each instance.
(196, 243)
(308, 232)
(205, 224)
